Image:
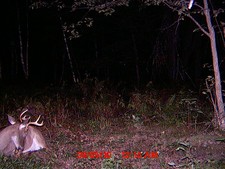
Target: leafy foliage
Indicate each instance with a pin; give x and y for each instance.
(73, 29)
(98, 100)
(29, 162)
(70, 114)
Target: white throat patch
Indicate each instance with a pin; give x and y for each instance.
(22, 126)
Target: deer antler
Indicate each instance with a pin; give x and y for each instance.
(36, 122)
(25, 117)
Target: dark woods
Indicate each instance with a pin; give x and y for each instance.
(133, 46)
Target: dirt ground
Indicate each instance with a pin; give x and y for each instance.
(127, 144)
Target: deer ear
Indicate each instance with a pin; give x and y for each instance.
(11, 119)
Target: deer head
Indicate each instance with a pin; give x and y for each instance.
(34, 140)
(21, 137)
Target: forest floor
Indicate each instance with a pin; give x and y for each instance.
(100, 131)
(129, 144)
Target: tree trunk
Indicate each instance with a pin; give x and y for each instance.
(219, 112)
(75, 80)
(0, 71)
(24, 63)
(136, 60)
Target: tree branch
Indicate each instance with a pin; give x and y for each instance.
(188, 15)
(199, 26)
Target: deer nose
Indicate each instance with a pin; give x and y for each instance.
(20, 148)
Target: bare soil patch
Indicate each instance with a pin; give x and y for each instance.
(177, 146)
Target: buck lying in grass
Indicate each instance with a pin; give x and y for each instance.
(21, 137)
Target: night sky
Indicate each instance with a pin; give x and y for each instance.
(147, 39)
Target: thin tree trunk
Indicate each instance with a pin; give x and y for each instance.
(27, 42)
(24, 65)
(136, 60)
(63, 68)
(219, 113)
(0, 71)
(96, 55)
(21, 45)
(75, 80)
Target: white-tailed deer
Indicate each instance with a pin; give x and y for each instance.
(21, 137)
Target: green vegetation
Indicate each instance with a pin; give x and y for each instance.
(94, 116)
(21, 163)
(96, 100)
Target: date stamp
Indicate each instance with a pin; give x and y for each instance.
(124, 155)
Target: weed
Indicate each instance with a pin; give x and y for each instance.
(111, 163)
(21, 163)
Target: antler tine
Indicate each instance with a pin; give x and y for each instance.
(25, 118)
(21, 119)
(36, 122)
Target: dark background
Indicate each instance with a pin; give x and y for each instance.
(135, 38)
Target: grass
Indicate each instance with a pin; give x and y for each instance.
(94, 117)
(21, 163)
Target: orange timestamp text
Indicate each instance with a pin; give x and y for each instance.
(124, 155)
